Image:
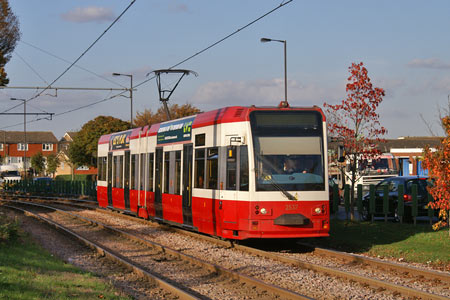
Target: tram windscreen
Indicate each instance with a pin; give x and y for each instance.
(288, 148)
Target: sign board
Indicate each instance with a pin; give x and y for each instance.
(120, 141)
(176, 131)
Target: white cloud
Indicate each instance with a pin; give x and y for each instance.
(429, 63)
(265, 93)
(390, 85)
(89, 14)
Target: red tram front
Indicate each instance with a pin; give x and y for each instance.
(235, 172)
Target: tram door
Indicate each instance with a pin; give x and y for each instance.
(110, 162)
(158, 187)
(187, 184)
(126, 189)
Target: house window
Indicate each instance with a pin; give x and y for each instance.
(22, 147)
(47, 147)
(1, 147)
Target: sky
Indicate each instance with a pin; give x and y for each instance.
(404, 45)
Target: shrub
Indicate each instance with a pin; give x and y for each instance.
(9, 230)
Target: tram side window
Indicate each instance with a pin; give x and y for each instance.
(102, 167)
(118, 171)
(231, 168)
(99, 168)
(177, 173)
(166, 172)
(134, 171)
(243, 169)
(142, 172)
(199, 169)
(212, 168)
(150, 172)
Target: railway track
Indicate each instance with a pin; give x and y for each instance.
(377, 275)
(194, 278)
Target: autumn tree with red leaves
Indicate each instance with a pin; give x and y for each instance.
(438, 165)
(147, 117)
(355, 122)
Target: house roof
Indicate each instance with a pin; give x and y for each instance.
(68, 136)
(33, 137)
(409, 142)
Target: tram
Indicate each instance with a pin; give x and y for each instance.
(235, 172)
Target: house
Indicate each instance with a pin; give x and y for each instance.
(65, 168)
(13, 148)
(407, 152)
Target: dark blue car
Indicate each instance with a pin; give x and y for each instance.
(393, 183)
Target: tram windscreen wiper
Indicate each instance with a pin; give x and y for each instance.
(281, 189)
(274, 183)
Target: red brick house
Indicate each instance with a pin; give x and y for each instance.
(12, 147)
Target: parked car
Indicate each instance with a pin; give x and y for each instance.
(9, 173)
(46, 179)
(393, 183)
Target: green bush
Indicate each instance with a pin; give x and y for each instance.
(9, 230)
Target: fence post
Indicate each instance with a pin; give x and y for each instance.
(372, 200)
(385, 202)
(414, 203)
(359, 199)
(347, 199)
(401, 203)
(335, 197)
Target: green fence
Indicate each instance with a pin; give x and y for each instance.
(53, 187)
(383, 204)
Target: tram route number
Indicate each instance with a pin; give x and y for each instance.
(291, 206)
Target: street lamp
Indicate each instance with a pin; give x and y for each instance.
(24, 133)
(131, 95)
(265, 40)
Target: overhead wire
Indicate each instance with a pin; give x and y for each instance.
(30, 67)
(177, 64)
(82, 54)
(69, 62)
(222, 39)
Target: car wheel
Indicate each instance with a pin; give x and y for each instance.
(396, 216)
(365, 216)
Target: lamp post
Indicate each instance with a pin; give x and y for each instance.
(24, 133)
(265, 40)
(131, 95)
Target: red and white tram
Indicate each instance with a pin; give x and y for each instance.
(236, 172)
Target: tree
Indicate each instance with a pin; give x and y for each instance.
(83, 149)
(38, 163)
(10, 35)
(52, 163)
(147, 117)
(356, 123)
(438, 165)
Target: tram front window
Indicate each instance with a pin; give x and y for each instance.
(288, 156)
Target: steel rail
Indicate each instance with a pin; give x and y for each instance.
(326, 270)
(114, 257)
(282, 292)
(392, 266)
(398, 268)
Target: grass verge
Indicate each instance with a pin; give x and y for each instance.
(29, 272)
(401, 241)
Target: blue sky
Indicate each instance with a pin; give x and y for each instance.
(403, 44)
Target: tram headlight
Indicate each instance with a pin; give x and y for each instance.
(263, 211)
(318, 210)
